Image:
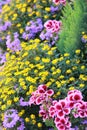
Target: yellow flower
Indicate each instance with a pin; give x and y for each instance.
(37, 40)
(27, 119)
(58, 84)
(72, 79)
(23, 10)
(50, 53)
(9, 102)
(66, 54)
(67, 62)
(74, 67)
(78, 51)
(48, 84)
(15, 15)
(58, 71)
(21, 30)
(37, 58)
(38, 14)
(83, 32)
(45, 60)
(32, 116)
(58, 93)
(54, 61)
(21, 113)
(61, 76)
(39, 125)
(46, 16)
(47, 9)
(82, 67)
(53, 68)
(69, 71)
(33, 122)
(54, 73)
(81, 85)
(71, 88)
(16, 99)
(3, 107)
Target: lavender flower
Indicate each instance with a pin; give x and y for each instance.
(84, 40)
(49, 36)
(54, 9)
(5, 26)
(51, 129)
(76, 128)
(33, 29)
(2, 58)
(13, 45)
(23, 103)
(84, 122)
(10, 118)
(21, 127)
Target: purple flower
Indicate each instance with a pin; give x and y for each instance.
(16, 35)
(54, 9)
(15, 44)
(84, 122)
(23, 103)
(2, 58)
(21, 127)
(5, 26)
(76, 128)
(33, 29)
(10, 118)
(84, 40)
(49, 36)
(51, 129)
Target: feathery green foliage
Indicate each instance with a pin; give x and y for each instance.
(70, 36)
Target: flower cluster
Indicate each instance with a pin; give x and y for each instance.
(11, 119)
(6, 25)
(60, 110)
(26, 69)
(42, 97)
(27, 18)
(15, 44)
(50, 33)
(33, 29)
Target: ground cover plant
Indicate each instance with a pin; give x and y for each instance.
(43, 81)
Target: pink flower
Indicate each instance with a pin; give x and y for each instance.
(52, 25)
(49, 92)
(73, 97)
(49, 25)
(57, 2)
(52, 111)
(63, 2)
(63, 123)
(44, 112)
(62, 108)
(42, 87)
(82, 109)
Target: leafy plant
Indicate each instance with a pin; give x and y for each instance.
(70, 36)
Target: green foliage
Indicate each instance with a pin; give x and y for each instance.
(70, 36)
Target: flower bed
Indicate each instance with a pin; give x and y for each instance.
(43, 84)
